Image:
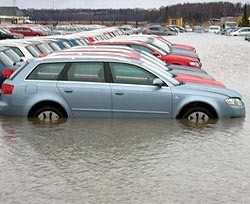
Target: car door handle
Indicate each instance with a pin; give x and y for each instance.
(119, 93)
(68, 91)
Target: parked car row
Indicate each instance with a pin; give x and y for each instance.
(6, 34)
(107, 73)
(240, 31)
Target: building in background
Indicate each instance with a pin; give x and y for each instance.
(12, 15)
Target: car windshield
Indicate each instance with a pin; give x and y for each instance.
(160, 45)
(235, 29)
(152, 59)
(6, 60)
(230, 24)
(155, 65)
(161, 72)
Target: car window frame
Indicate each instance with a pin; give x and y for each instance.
(64, 76)
(59, 76)
(139, 67)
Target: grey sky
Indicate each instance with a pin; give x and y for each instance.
(58, 4)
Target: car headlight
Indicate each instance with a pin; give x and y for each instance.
(234, 101)
(194, 64)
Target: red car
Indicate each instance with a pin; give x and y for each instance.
(168, 58)
(188, 47)
(103, 52)
(27, 31)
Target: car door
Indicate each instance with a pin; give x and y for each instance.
(154, 30)
(85, 90)
(133, 93)
(244, 31)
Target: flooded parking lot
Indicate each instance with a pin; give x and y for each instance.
(135, 161)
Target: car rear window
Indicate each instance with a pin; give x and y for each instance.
(33, 51)
(6, 60)
(11, 54)
(46, 71)
(17, 71)
(17, 50)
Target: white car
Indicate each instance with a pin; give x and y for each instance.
(243, 31)
(24, 49)
(214, 29)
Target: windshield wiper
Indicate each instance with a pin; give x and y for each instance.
(181, 83)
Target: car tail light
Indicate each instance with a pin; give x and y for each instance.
(7, 88)
(6, 73)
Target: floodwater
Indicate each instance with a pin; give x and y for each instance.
(135, 160)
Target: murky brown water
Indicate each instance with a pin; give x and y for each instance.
(135, 161)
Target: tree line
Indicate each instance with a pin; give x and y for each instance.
(198, 12)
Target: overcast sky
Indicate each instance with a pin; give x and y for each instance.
(58, 4)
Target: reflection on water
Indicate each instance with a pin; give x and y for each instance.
(122, 161)
(127, 160)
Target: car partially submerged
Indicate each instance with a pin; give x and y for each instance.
(169, 58)
(51, 88)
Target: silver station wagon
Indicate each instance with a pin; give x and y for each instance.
(110, 86)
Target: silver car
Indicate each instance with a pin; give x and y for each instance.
(110, 86)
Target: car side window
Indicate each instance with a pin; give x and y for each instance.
(154, 28)
(17, 51)
(47, 71)
(130, 74)
(86, 72)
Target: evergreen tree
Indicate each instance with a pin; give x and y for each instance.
(245, 21)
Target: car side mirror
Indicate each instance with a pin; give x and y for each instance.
(158, 82)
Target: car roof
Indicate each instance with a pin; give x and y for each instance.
(132, 56)
(120, 41)
(14, 42)
(86, 58)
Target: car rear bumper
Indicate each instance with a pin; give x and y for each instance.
(5, 109)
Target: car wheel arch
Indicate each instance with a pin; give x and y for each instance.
(190, 105)
(47, 103)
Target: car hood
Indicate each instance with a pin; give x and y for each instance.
(183, 52)
(184, 46)
(191, 73)
(185, 68)
(197, 79)
(212, 89)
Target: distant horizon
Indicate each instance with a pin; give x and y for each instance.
(100, 4)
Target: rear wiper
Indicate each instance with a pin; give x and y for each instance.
(173, 75)
(181, 83)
